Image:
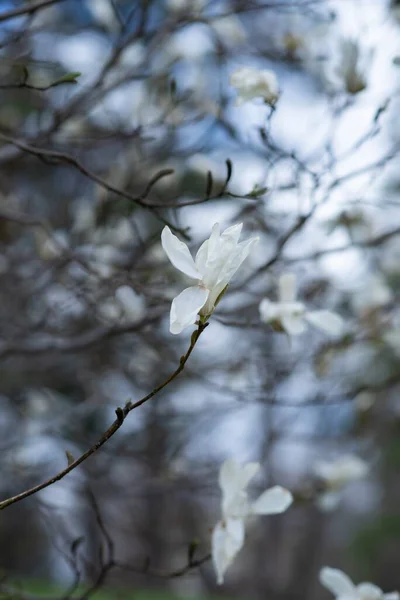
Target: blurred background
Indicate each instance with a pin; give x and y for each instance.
(116, 117)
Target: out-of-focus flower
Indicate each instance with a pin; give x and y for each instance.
(374, 294)
(185, 6)
(132, 304)
(52, 247)
(229, 533)
(255, 83)
(336, 475)
(350, 70)
(103, 13)
(343, 588)
(292, 315)
(364, 401)
(217, 260)
(230, 30)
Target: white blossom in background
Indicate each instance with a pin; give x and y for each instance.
(254, 83)
(185, 6)
(230, 30)
(292, 315)
(229, 533)
(374, 294)
(350, 69)
(216, 262)
(343, 588)
(132, 304)
(103, 13)
(336, 475)
(52, 247)
(364, 401)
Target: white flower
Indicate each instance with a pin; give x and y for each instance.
(292, 315)
(350, 71)
(182, 6)
(229, 533)
(255, 83)
(336, 474)
(343, 588)
(372, 295)
(132, 304)
(217, 260)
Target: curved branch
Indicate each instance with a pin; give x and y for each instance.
(121, 413)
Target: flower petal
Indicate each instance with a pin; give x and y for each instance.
(227, 540)
(186, 306)
(337, 582)
(293, 324)
(273, 501)
(369, 591)
(233, 233)
(237, 476)
(287, 287)
(178, 253)
(391, 596)
(268, 310)
(326, 320)
(236, 258)
(233, 480)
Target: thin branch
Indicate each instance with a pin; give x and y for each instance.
(114, 427)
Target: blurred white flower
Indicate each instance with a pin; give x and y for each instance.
(229, 533)
(364, 401)
(255, 83)
(84, 217)
(50, 248)
(103, 13)
(350, 68)
(343, 588)
(336, 475)
(132, 304)
(185, 6)
(373, 294)
(217, 260)
(229, 29)
(292, 315)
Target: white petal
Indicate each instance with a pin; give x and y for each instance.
(287, 287)
(293, 324)
(233, 233)
(233, 475)
(233, 480)
(178, 253)
(369, 591)
(269, 311)
(214, 241)
(201, 257)
(391, 596)
(336, 582)
(186, 306)
(236, 259)
(273, 501)
(326, 320)
(227, 540)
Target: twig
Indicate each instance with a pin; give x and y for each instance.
(121, 415)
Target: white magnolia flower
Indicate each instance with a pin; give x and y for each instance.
(343, 588)
(255, 83)
(292, 315)
(372, 295)
(229, 533)
(350, 69)
(217, 260)
(335, 475)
